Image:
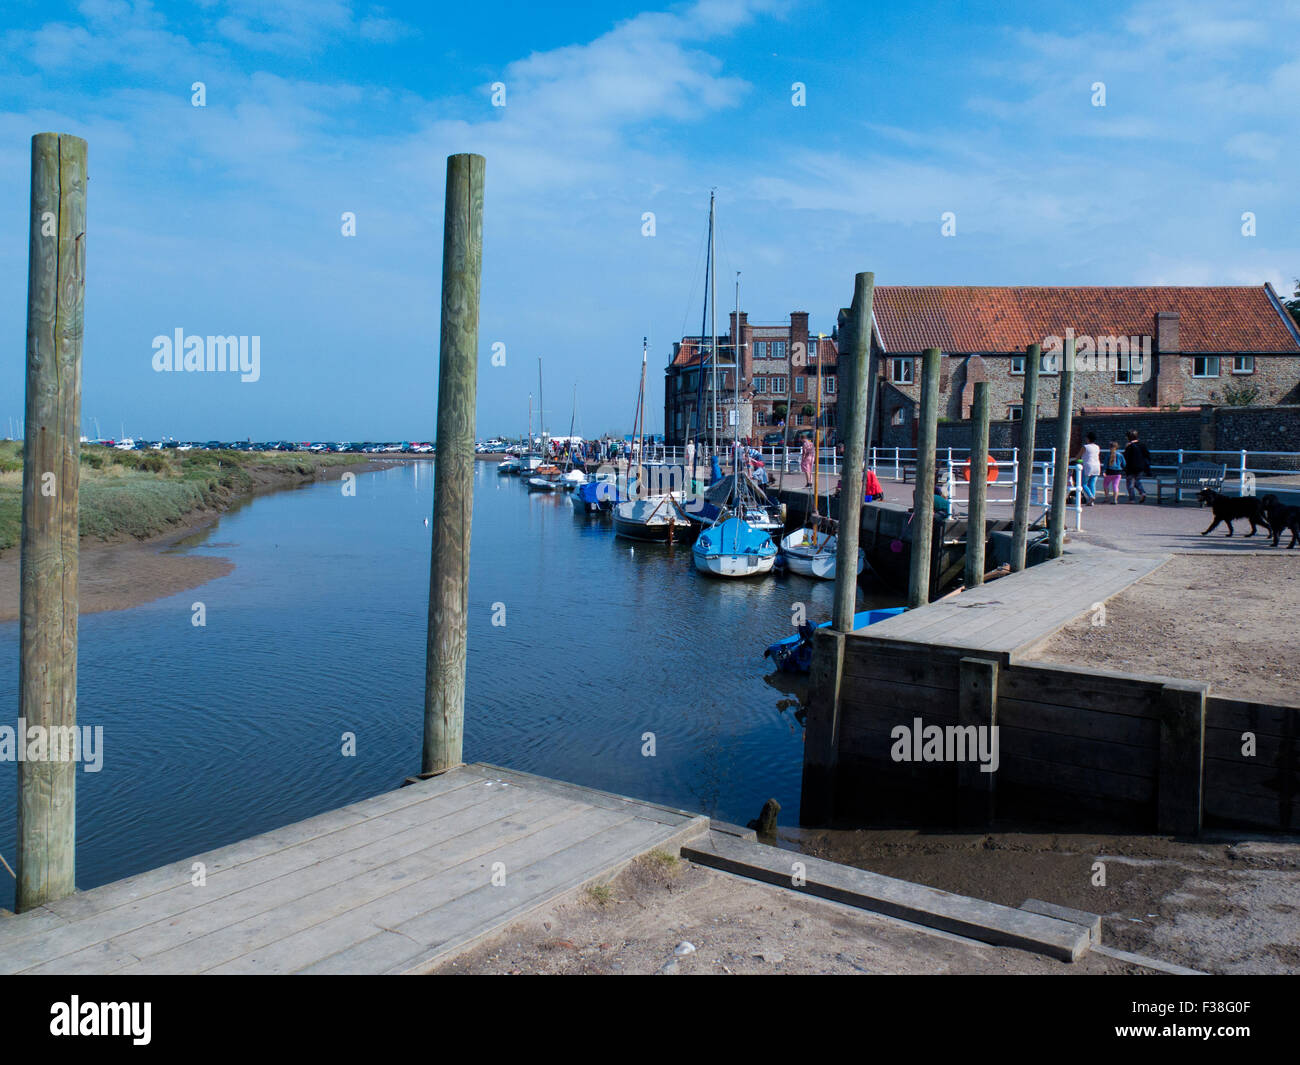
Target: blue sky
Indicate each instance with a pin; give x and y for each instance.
(226, 219)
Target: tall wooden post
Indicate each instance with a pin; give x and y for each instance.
(918, 586)
(979, 461)
(47, 634)
(1025, 474)
(850, 510)
(453, 486)
(1061, 478)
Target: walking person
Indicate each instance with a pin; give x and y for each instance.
(1114, 468)
(807, 460)
(690, 460)
(1091, 459)
(1137, 464)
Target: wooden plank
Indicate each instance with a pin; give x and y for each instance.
(880, 700)
(822, 727)
(1112, 693)
(1053, 775)
(957, 914)
(295, 938)
(1182, 756)
(1076, 721)
(932, 671)
(1243, 715)
(149, 928)
(977, 705)
(138, 887)
(1066, 750)
(608, 800)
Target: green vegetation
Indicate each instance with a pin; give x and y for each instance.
(1240, 395)
(600, 894)
(142, 493)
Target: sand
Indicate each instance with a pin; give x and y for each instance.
(736, 926)
(1229, 620)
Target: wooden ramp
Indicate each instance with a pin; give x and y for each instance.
(1018, 611)
(393, 884)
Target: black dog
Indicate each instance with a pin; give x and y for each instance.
(1233, 508)
(1280, 516)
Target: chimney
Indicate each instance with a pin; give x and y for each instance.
(744, 337)
(799, 331)
(1169, 364)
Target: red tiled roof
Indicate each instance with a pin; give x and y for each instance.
(968, 319)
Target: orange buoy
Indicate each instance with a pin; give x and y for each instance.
(992, 471)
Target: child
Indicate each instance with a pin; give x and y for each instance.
(1114, 470)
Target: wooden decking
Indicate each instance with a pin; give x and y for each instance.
(393, 884)
(1018, 611)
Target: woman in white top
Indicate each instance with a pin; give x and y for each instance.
(1091, 458)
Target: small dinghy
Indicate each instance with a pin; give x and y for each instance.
(794, 653)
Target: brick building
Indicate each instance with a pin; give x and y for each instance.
(1137, 347)
(778, 380)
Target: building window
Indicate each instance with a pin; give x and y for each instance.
(1047, 364)
(760, 349)
(1243, 364)
(1015, 413)
(798, 385)
(1205, 366)
(829, 383)
(901, 371)
(679, 421)
(762, 416)
(897, 417)
(760, 384)
(1128, 369)
(778, 349)
(778, 386)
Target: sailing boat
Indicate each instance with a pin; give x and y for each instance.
(732, 546)
(545, 476)
(650, 517)
(572, 477)
(810, 551)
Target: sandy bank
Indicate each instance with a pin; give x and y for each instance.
(124, 572)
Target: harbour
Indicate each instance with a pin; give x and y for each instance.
(856, 622)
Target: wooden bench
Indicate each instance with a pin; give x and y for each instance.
(1191, 478)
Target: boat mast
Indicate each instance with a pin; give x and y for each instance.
(713, 308)
(528, 449)
(541, 408)
(817, 438)
(735, 447)
(640, 406)
(572, 418)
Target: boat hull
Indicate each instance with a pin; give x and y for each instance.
(734, 565)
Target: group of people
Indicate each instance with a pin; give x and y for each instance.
(1132, 463)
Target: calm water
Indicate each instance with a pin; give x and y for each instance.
(217, 733)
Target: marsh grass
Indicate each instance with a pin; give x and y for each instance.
(142, 493)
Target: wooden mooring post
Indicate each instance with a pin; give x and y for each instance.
(453, 486)
(978, 498)
(1061, 467)
(1025, 470)
(47, 633)
(918, 585)
(851, 478)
